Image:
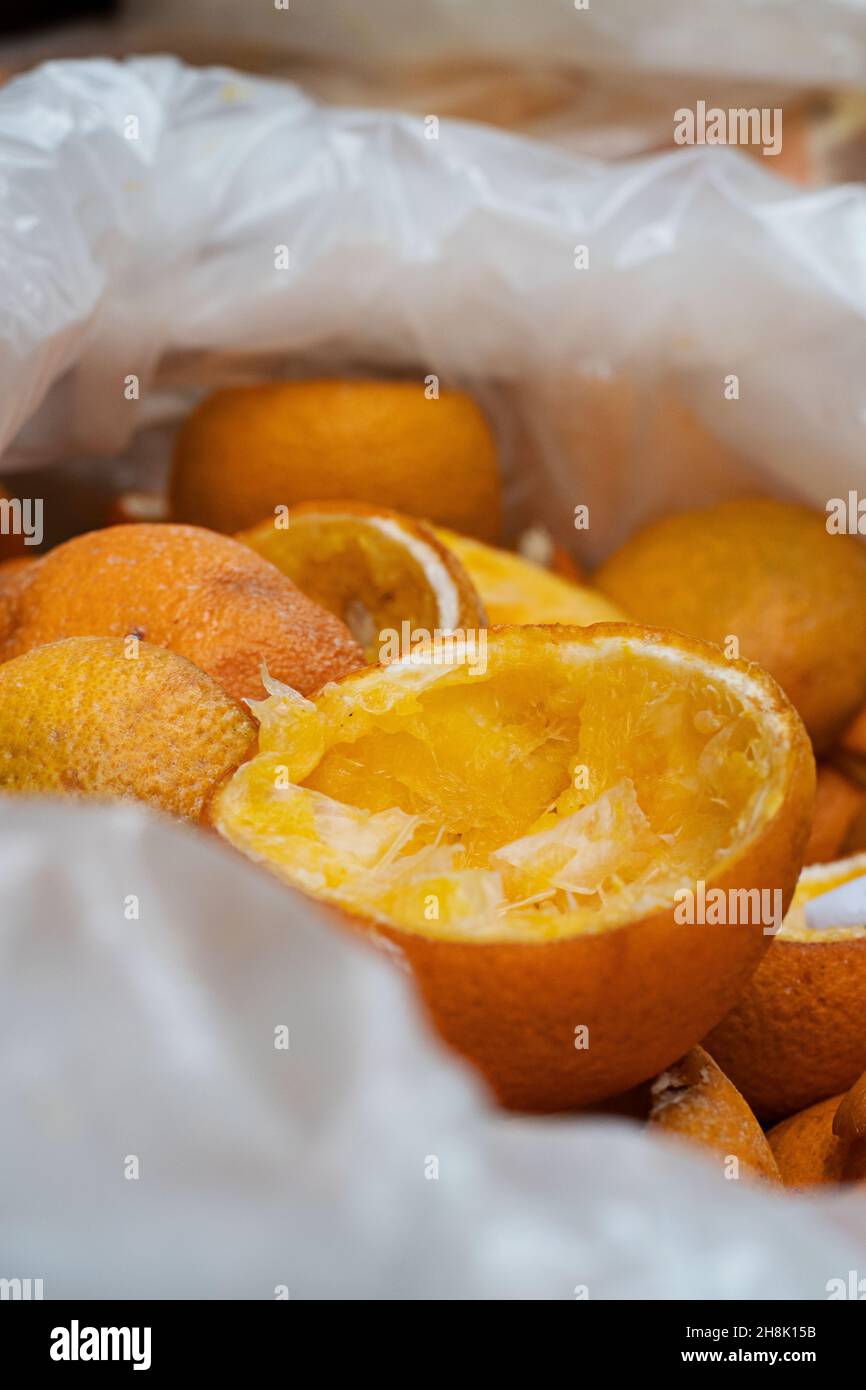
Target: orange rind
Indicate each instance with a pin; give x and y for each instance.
(103, 717)
(384, 574)
(519, 820)
(695, 1101)
(796, 1034)
(205, 596)
(516, 590)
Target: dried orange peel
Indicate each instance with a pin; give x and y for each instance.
(375, 569)
(108, 718)
(694, 1100)
(516, 590)
(518, 820)
(796, 1034)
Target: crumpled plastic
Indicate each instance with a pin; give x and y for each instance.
(145, 972)
(155, 258)
(153, 1036)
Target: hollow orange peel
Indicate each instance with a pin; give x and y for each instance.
(517, 590)
(375, 569)
(694, 1100)
(448, 813)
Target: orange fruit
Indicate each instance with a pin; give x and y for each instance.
(839, 806)
(247, 450)
(770, 575)
(796, 1034)
(94, 716)
(515, 590)
(518, 818)
(205, 596)
(375, 569)
(694, 1100)
(809, 1153)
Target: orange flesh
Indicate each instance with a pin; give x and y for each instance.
(567, 788)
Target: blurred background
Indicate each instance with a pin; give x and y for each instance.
(600, 80)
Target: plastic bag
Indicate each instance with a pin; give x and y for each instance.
(145, 247)
(156, 1142)
(155, 258)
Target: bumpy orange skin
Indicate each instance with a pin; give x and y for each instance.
(203, 595)
(796, 1034)
(694, 1100)
(768, 573)
(809, 1153)
(648, 990)
(248, 449)
(82, 717)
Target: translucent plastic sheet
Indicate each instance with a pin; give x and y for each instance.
(155, 256)
(311, 1168)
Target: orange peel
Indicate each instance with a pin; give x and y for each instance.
(375, 569)
(694, 1100)
(101, 717)
(519, 829)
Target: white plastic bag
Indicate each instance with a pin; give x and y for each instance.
(360, 1162)
(154, 256)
